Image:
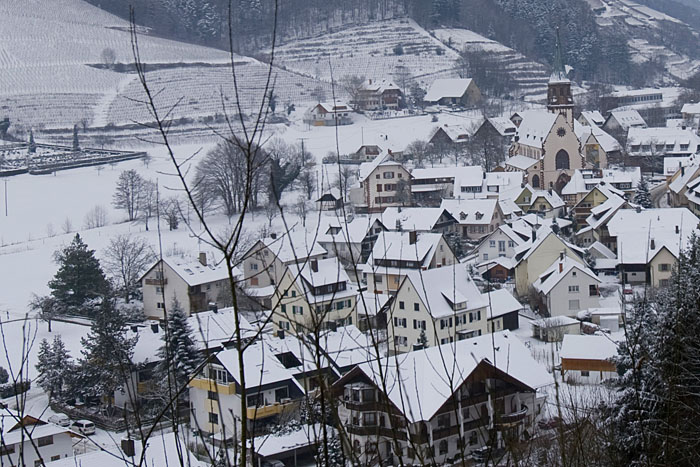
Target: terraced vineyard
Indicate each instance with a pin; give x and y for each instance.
(531, 77)
(369, 51)
(199, 91)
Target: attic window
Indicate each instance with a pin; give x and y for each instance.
(479, 215)
(462, 215)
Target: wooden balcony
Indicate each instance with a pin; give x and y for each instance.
(256, 413)
(399, 433)
(444, 432)
(477, 423)
(211, 385)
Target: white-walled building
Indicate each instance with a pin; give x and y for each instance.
(28, 440)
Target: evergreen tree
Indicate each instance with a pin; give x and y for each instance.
(4, 376)
(32, 144)
(656, 418)
(76, 142)
(79, 277)
(53, 366)
(106, 361)
(334, 448)
(642, 197)
(178, 353)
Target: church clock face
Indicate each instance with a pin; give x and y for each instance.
(561, 132)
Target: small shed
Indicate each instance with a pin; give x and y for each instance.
(588, 359)
(330, 200)
(554, 328)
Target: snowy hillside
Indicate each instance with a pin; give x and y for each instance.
(49, 75)
(530, 76)
(642, 25)
(370, 51)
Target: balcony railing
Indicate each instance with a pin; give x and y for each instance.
(511, 419)
(444, 432)
(265, 411)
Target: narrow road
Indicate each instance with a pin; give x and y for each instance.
(658, 196)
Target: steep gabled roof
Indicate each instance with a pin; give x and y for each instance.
(416, 381)
(557, 271)
(449, 87)
(471, 211)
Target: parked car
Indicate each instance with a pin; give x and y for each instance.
(60, 419)
(481, 454)
(628, 290)
(85, 427)
(549, 423)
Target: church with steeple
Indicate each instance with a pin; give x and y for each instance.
(546, 147)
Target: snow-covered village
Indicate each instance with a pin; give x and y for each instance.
(293, 233)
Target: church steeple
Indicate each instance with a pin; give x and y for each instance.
(559, 97)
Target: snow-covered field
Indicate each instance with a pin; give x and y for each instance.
(47, 81)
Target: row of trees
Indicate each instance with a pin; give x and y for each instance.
(105, 364)
(219, 181)
(80, 284)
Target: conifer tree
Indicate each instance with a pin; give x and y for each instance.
(53, 366)
(32, 144)
(655, 419)
(642, 197)
(79, 276)
(76, 142)
(107, 351)
(178, 353)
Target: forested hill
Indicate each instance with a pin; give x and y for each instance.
(596, 35)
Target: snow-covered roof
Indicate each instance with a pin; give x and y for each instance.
(295, 245)
(582, 347)
(210, 329)
(524, 251)
(602, 250)
(327, 271)
(338, 106)
(419, 219)
(379, 86)
(584, 180)
(397, 246)
(438, 288)
(557, 271)
(276, 444)
(687, 175)
(628, 118)
(369, 304)
(159, 452)
(501, 302)
(551, 197)
(503, 125)
(535, 127)
(448, 87)
(603, 212)
(554, 321)
(471, 211)
(606, 142)
(366, 168)
(520, 162)
(672, 164)
(503, 180)
(502, 261)
(416, 381)
(635, 232)
(662, 140)
(691, 108)
(458, 133)
(509, 208)
(335, 229)
(261, 367)
(193, 272)
(594, 118)
(17, 428)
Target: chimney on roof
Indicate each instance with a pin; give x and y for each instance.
(370, 81)
(653, 244)
(534, 234)
(213, 307)
(682, 170)
(202, 258)
(678, 229)
(522, 185)
(412, 237)
(561, 255)
(483, 174)
(273, 236)
(280, 333)
(314, 265)
(561, 267)
(549, 190)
